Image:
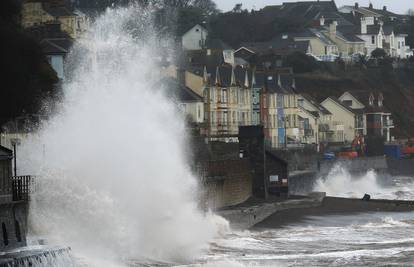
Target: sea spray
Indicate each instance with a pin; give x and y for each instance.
(340, 183)
(113, 181)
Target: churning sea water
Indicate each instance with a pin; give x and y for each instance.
(114, 183)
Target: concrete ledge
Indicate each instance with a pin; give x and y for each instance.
(246, 217)
(27, 256)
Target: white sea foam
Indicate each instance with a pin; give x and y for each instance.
(113, 180)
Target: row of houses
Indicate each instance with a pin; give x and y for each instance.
(56, 26)
(330, 32)
(230, 97)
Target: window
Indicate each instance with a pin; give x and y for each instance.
(224, 96)
(301, 102)
(399, 45)
(198, 112)
(225, 117)
(373, 39)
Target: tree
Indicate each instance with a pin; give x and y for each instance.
(237, 8)
(379, 53)
(27, 78)
(209, 7)
(410, 12)
(301, 63)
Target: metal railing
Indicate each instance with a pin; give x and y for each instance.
(22, 187)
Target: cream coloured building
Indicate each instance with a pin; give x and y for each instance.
(346, 130)
(73, 22)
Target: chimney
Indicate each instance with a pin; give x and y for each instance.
(254, 77)
(384, 8)
(363, 26)
(371, 99)
(332, 29)
(322, 21)
(371, 6)
(205, 76)
(380, 100)
(246, 80)
(218, 80)
(233, 77)
(356, 5)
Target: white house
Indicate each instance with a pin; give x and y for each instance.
(346, 130)
(372, 34)
(195, 38)
(375, 119)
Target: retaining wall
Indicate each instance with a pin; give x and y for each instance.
(229, 183)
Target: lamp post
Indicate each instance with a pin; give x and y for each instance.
(15, 142)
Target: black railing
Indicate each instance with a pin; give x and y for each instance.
(22, 187)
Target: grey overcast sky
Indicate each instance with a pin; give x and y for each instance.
(397, 6)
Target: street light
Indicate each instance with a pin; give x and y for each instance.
(15, 142)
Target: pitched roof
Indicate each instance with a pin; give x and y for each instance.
(179, 91)
(271, 83)
(363, 97)
(348, 33)
(58, 10)
(56, 45)
(318, 106)
(339, 103)
(373, 29)
(388, 30)
(217, 44)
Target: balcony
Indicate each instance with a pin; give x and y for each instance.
(309, 132)
(22, 186)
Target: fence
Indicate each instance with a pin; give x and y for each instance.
(22, 187)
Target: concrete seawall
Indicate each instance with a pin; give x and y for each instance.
(245, 217)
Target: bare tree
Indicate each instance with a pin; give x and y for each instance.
(208, 6)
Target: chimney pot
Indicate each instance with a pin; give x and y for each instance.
(371, 6)
(384, 8)
(356, 5)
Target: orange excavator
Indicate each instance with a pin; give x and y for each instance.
(408, 149)
(356, 149)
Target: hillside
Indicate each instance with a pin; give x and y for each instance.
(397, 85)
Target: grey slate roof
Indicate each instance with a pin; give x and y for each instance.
(56, 45)
(321, 108)
(348, 33)
(58, 11)
(179, 91)
(217, 44)
(373, 29)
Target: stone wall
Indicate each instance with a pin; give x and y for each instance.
(228, 183)
(13, 225)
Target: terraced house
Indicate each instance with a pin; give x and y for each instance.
(228, 101)
(40, 12)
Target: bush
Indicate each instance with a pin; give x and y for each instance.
(379, 53)
(301, 63)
